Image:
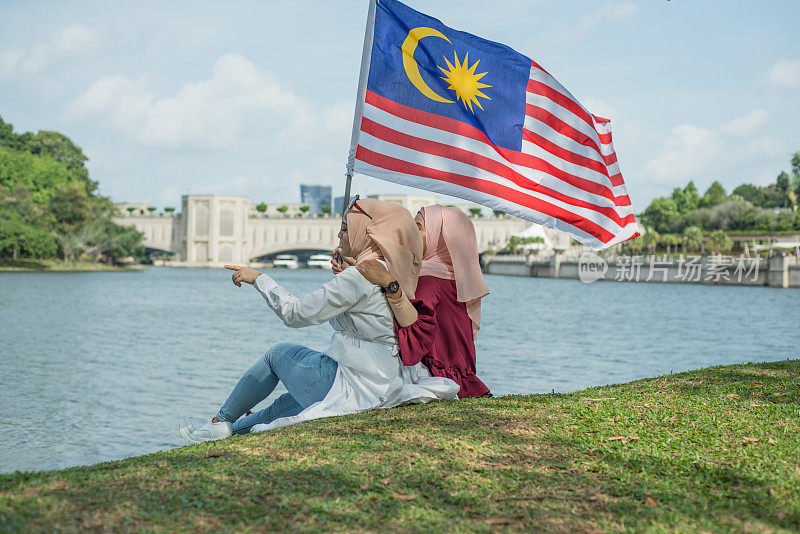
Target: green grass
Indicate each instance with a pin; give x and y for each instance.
(711, 450)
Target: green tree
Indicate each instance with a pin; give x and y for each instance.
(634, 245)
(11, 140)
(774, 196)
(283, 209)
(261, 207)
(679, 199)
(692, 239)
(151, 209)
(304, 209)
(20, 238)
(795, 162)
(476, 212)
(60, 148)
(515, 242)
(169, 209)
(104, 239)
(785, 184)
(719, 241)
(21, 235)
(130, 209)
(669, 241)
(686, 199)
(40, 176)
(751, 193)
(651, 239)
(499, 213)
(783, 220)
(714, 195)
(48, 205)
(326, 209)
(70, 207)
(71, 211)
(661, 212)
(783, 181)
(82, 227)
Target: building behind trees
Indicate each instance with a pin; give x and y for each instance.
(316, 196)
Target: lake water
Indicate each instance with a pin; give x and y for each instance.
(99, 366)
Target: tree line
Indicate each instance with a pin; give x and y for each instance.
(49, 207)
(749, 208)
(697, 222)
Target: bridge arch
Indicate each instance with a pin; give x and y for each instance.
(270, 236)
(302, 253)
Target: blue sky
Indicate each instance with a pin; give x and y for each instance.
(255, 97)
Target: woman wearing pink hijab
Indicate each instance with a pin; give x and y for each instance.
(439, 329)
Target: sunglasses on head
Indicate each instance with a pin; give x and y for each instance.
(355, 207)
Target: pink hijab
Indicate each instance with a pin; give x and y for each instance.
(452, 253)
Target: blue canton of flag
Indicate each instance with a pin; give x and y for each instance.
(414, 56)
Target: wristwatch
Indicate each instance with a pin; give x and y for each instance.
(391, 288)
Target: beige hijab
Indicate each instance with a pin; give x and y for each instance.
(390, 234)
(452, 253)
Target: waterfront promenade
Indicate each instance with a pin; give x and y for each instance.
(777, 271)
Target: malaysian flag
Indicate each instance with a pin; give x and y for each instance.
(446, 111)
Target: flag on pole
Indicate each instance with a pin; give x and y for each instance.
(446, 111)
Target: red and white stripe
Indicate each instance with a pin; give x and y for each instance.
(565, 177)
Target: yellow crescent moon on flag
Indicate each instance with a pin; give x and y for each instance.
(412, 68)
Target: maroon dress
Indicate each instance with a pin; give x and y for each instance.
(441, 338)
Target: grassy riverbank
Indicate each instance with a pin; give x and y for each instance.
(59, 266)
(716, 449)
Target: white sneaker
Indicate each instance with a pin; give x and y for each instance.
(193, 423)
(197, 431)
(189, 425)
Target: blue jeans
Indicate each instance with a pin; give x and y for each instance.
(306, 373)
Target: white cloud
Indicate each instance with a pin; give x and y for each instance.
(785, 73)
(765, 145)
(117, 99)
(74, 40)
(612, 12)
(209, 113)
(609, 12)
(747, 125)
(736, 149)
(688, 150)
(69, 42)
(308, 125)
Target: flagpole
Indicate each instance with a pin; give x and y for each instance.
(361, 94)
(366, 53)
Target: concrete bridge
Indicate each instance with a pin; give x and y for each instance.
(218, 229)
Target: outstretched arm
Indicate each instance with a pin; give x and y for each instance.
(402, 309)
(332, 299)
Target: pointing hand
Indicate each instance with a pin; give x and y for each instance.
(243, 274)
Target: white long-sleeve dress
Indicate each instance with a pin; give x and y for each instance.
(370, 374)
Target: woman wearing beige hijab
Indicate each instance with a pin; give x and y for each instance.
(361, 368)
(440, 328)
